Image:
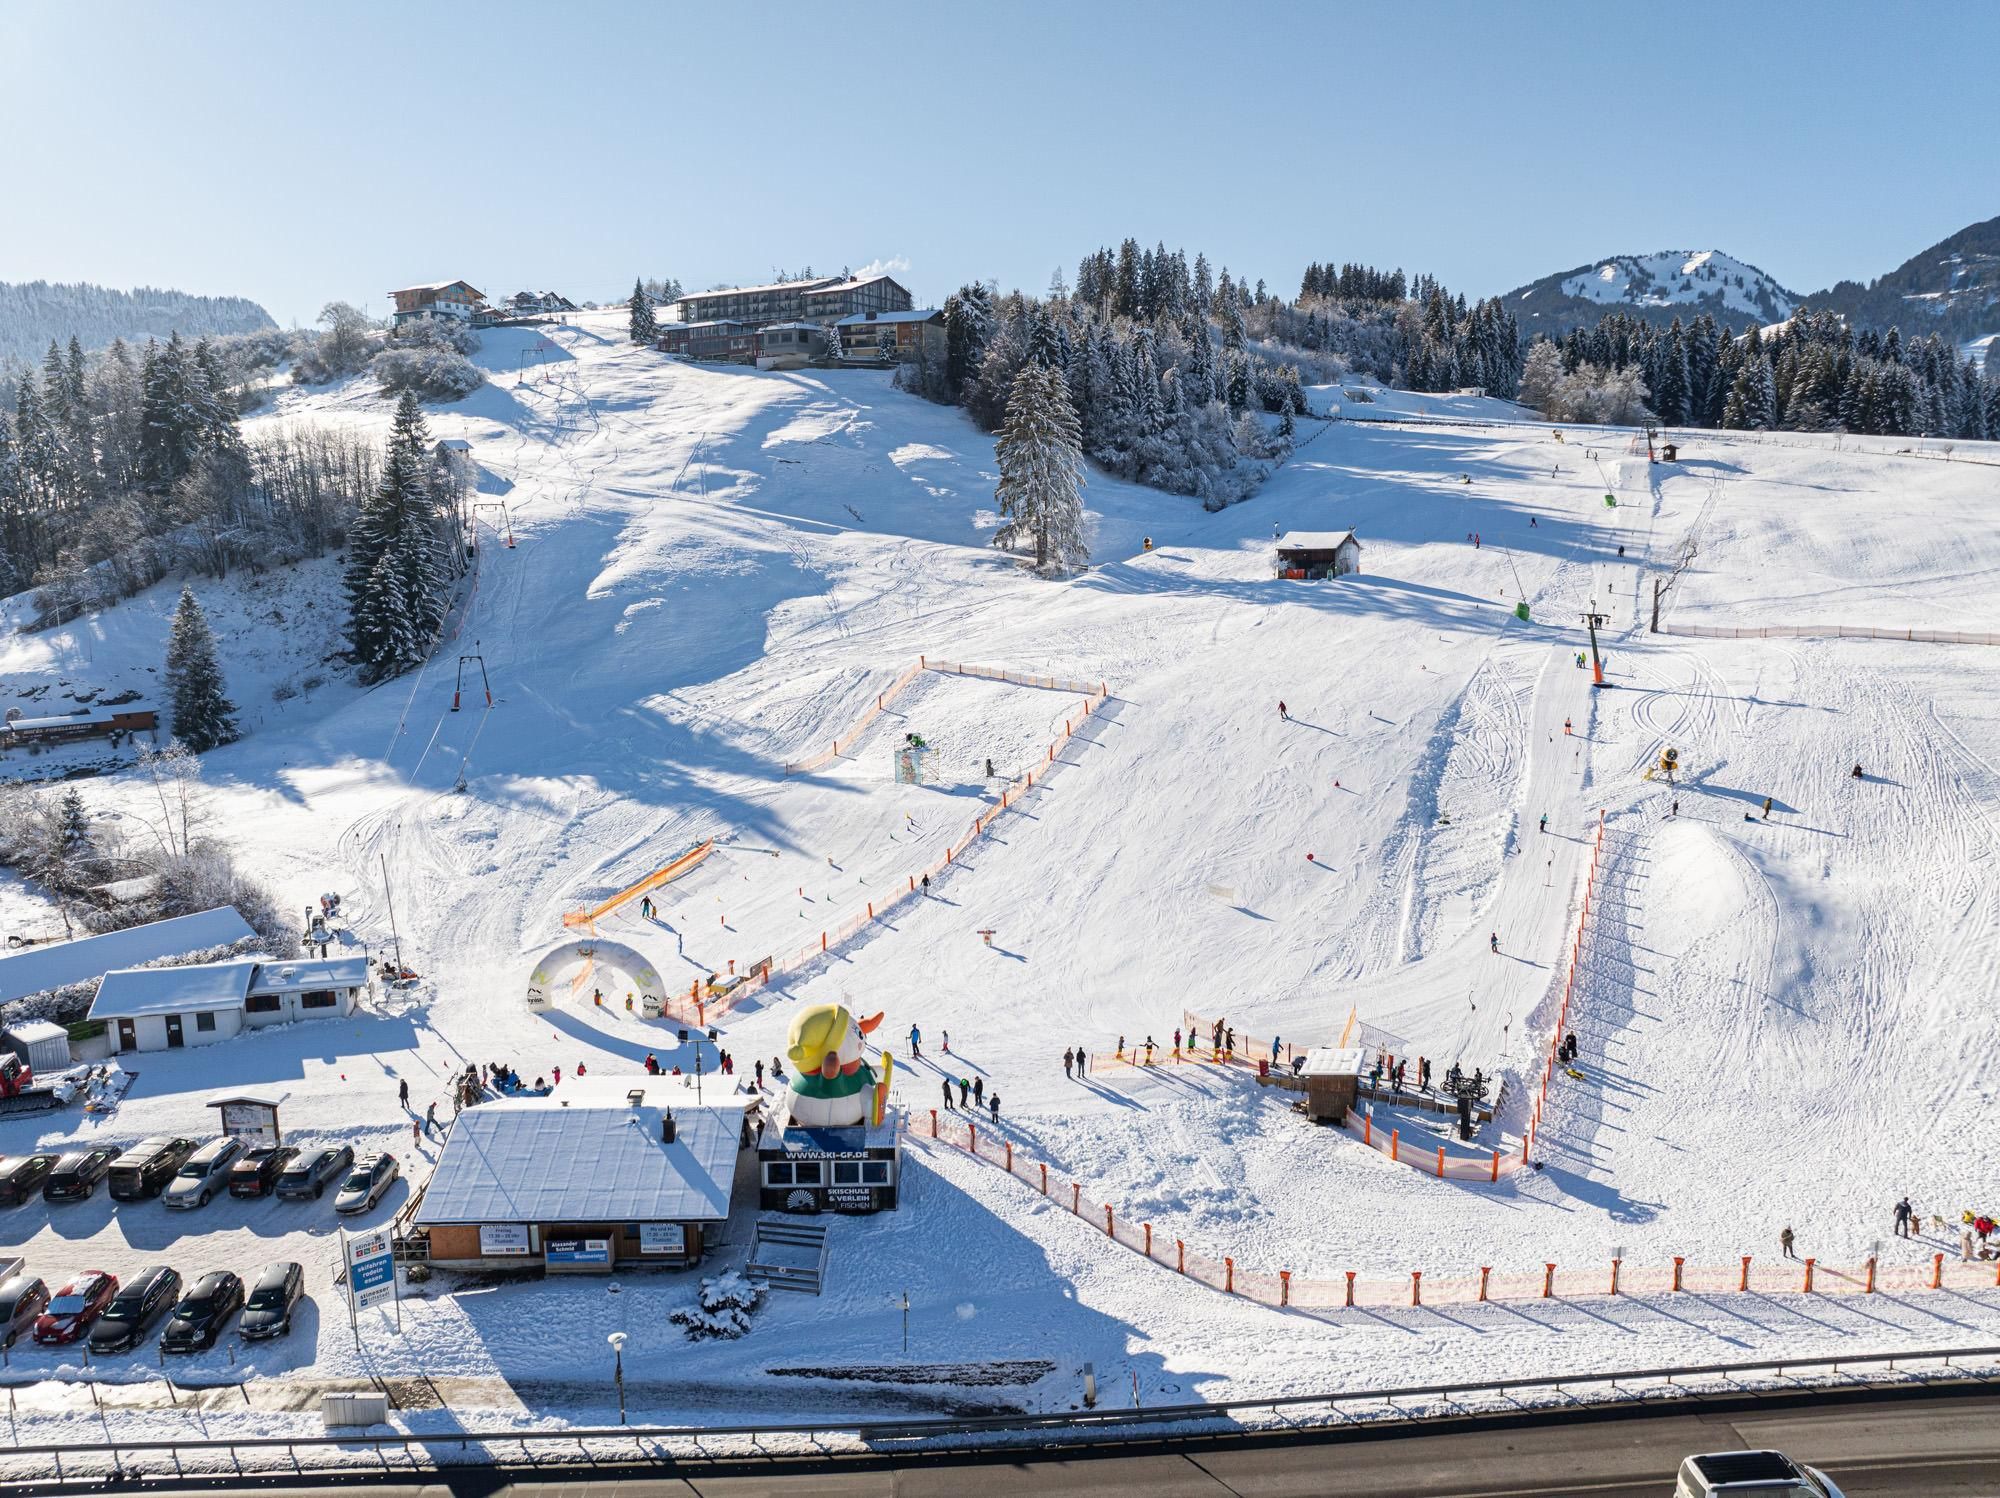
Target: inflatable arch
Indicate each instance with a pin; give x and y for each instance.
(645, 977)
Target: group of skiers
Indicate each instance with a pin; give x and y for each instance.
(972, 1095)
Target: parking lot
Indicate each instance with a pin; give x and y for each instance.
(59, 1239)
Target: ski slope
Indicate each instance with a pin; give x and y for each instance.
(1785, 1022)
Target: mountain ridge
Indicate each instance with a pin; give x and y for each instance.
(33, 313)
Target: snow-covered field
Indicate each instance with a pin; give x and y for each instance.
(1786, 1022)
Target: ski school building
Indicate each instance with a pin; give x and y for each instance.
(603, 1173)
(165, 1008)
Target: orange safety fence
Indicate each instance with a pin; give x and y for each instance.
(1091, 691)
(1557, 1032)
(869, 714)
(715, 997)
(663, 875)
(1745, 1274)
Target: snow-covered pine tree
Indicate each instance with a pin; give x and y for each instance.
(1670, 384)
(203, 717)
(396, 588)
(1041, 471)
(644, 327)
(68, 859)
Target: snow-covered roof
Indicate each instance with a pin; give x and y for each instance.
(37, 968)
(97, 715)
(455, 444)
(856, 319)
(1335, 1061)
(537, 1160)
(695, 296)
(311, 972)
(854, 285)
(790, 327)
(440, 286)
(1315, 540)
(28, 1031)
(133, 991)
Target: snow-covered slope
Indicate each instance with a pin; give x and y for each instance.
(1656, 287)
(1787, 1023)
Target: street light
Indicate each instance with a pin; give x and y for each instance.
(617, 1341)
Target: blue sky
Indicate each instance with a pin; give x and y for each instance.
(300, 153)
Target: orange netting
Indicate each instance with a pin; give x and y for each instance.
(1482, 1282)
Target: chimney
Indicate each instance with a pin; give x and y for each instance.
(666, 1128)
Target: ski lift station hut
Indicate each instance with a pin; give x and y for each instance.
(1308, 556)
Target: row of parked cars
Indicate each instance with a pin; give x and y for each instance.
(94, 1307)
(186, 1174)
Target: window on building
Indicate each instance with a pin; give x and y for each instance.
(778, 1173)
(847, 1172)
(807, 1172)
(205, 1020)
(320, 998)
(261, 1003)
(874, 1172)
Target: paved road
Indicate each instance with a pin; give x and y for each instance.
(1942, 1448)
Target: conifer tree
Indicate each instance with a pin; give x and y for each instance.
(395, 584)
(1041, 471)
(203, 717)
(645, 328)
(68, 859)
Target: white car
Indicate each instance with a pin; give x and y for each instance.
(204, 1176)
(1751, 1474)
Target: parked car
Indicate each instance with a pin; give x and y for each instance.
(23, 1298)
(74, 1177)
(199, 1319)
(145, 1168)
(371, 1176)
(135, 1309)
(75, 1306)
(205, 1173)
(314, 1170)
(257, 1172)
(21, 1177)
(268, 1313)
(1764, 1474)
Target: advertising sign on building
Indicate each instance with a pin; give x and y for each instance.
(577, 1253)
(371, 1270)
(662, 1238)
(503, 1239)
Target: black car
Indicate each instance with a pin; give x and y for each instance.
(22, 1299)
(268, 1313)
(315, 1169)
(199, 1319)
(21, 1177)
(139, 1304)
(257, 1172)
(74, 1177)
(145, 1168)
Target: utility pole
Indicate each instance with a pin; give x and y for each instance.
(1658, 583)
(389, 899)
(1593, 620)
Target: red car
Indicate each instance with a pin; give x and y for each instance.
(77, 1305)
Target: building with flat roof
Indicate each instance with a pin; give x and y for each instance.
(892, 335)
(820, 299)
(627, 1171)
(165, 1008)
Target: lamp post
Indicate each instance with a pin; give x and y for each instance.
(617, 1341)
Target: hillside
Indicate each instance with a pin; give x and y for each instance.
(32, 313)
(717, 569)
(1657, 288)
(1952, 287)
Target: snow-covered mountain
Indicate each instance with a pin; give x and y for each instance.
(33, 313)
(1657, 287)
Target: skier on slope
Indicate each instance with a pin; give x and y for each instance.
(1545, 821)
(1494, 940)
(1283, 714)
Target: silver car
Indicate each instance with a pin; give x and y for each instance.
(205, 1176)
(1754, 1474)
(372, 1175)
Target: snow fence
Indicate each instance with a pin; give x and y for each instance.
(714, 998)
(1449, 1284)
